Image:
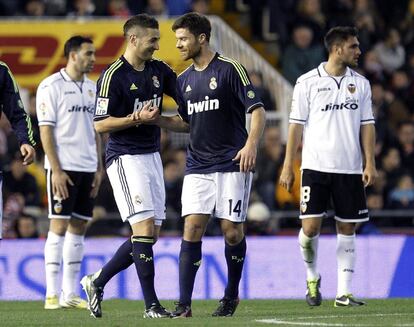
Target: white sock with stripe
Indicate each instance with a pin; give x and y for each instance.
(53, 259)
(309, 250)
(345, 255)
(72, 259)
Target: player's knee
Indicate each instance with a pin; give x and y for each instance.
(233, 236)
(311, 231)
(77, 226)
(58, 226)
(193, 232)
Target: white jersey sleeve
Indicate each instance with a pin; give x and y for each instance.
(46, 104)
(300, 104)
(367, 117)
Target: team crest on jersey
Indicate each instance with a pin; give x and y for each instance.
(91, 93)
(155, 81)
(138, 199)
(102, 106)
(251, 94)
(303, 207)
(213, 83)
(351, 88)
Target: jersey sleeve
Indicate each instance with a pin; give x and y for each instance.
(182, 108)
(46, 104)
(12, 107)
(300, 105)
(170, 82)
(107, 99)
(242, 87)
(367, 116)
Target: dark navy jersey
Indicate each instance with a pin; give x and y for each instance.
(12, 106)
(122, 90)
(214, 102)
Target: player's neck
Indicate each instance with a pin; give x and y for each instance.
(134, 61)
(74, 74)
(203, 59)
(334, 68)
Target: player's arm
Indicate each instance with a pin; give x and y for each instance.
(247, 155)
(100, 171)
(368, 145)
(287, 177)
(173, 123)
(59, 177)
(12, 106)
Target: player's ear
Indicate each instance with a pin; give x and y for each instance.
(202, 38)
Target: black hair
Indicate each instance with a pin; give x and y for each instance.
(75, 43)
(338, 35)
(197, 24)
(141, 20)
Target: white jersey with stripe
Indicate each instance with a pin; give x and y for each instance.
(332, 110)
(68, 106)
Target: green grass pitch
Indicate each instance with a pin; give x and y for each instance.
(390, 312)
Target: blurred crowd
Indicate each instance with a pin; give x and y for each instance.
(296, 27)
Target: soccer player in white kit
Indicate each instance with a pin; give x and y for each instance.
(214, 94)
(331, 108)
(65, 103)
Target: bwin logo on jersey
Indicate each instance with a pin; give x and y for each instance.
(206, 105)
(341, 106)
(156, 101)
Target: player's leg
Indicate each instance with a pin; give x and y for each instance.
(313, 204)
(198, 202)
(232, 197)
(73, 247)
(350, 209)
(59, 213)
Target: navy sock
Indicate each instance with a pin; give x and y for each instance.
(235, 255)
(190, 260)
(121, 260)
(144, 263)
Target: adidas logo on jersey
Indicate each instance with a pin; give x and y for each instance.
(206, 105)
(133, 87)
(188, 88)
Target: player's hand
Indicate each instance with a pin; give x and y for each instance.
(369, 175)
(287, 178)
(59, 184)
(246, 157)
(97, 179)
(28, 153)
(149, 114)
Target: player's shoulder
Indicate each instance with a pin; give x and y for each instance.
(53, 80)
(183, 75)
(358, 75)
(160, 64)
(3, 67)
(113, 69)
(309, 76)
(229, 63)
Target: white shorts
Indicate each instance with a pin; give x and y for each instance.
(222, 195)
(138, 185)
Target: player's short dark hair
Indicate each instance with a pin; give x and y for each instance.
(75, 43)
(197, 24)
(338, 35)
(141, 20)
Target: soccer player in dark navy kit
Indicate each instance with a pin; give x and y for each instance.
(126, 91)
(213, 94)
(12, 106)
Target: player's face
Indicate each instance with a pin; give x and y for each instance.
(187, 44)
(146, 42)
(85, 58)
(349, 52)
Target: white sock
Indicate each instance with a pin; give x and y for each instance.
(345, 255)
(72, 259)
(309, 250)
(53, 259)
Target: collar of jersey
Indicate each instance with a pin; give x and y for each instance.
(212, 60)
(323, 73)
(67, 78)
